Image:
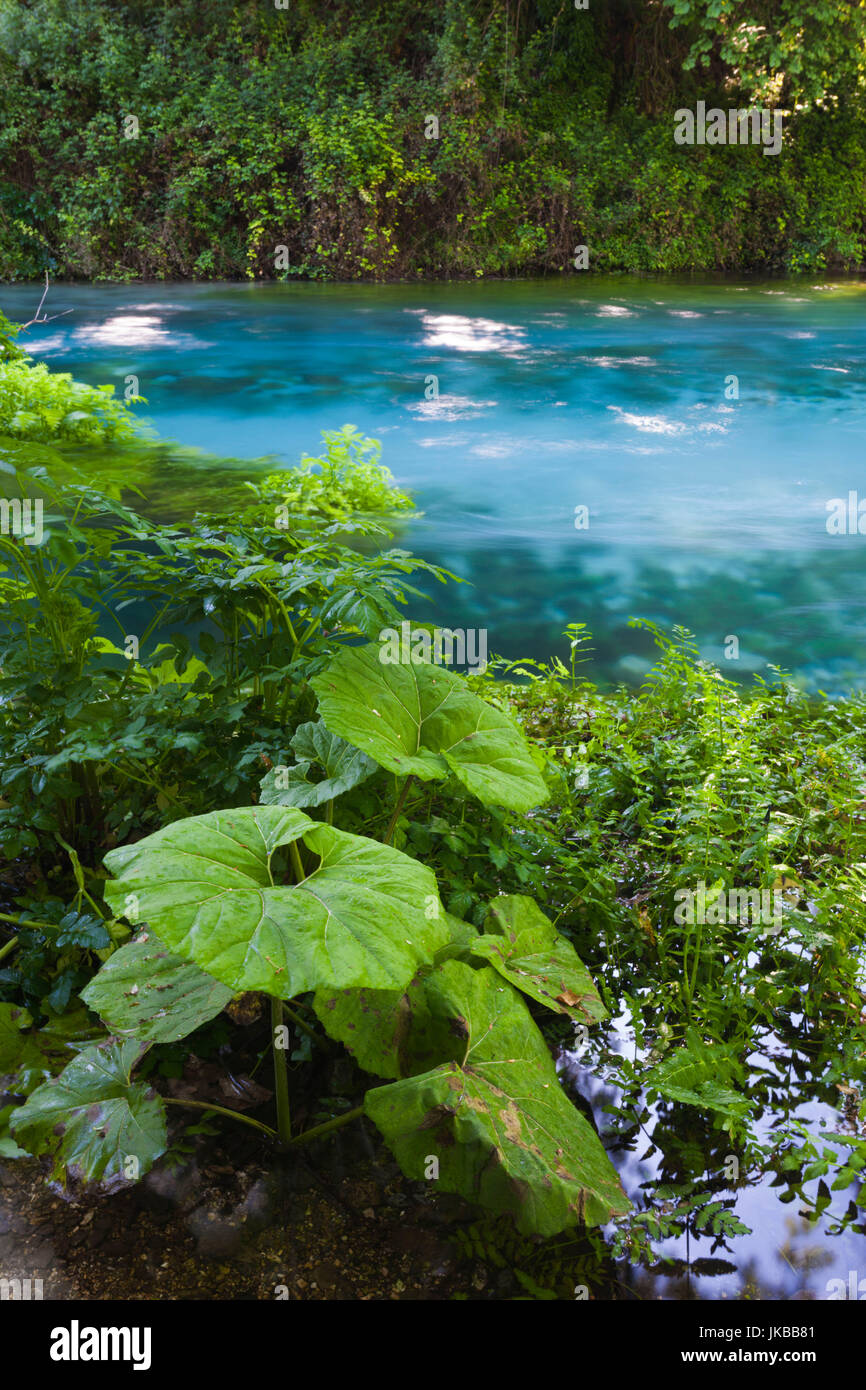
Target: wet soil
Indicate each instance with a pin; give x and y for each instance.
(332, 1224)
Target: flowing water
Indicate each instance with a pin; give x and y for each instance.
(506, 406)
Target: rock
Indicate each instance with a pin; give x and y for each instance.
(217, 1236)
(164, 1189)
(257, 1207)
(447, 1208)
(296, 1177)
(361, 1193)
(342, 1077)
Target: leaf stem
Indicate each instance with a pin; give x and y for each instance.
(9, 947)
(297, 862)
(398, 808)
(281, 1075)
(319, 1130)
(40, 926)
(222, 1110)
(305, 1027)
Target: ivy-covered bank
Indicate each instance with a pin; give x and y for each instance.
(329, 139)
(227, 821)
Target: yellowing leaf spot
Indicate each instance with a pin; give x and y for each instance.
(646, 925)
(511, 1119)
(567, 997)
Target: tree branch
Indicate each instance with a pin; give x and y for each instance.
(46, 318)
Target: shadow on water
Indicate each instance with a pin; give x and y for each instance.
(801, 612)
(163, 481)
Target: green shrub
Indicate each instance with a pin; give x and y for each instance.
(42, 406)
(349, 479)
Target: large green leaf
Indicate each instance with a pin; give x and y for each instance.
(8, 1146)
(93, 1118)
(420, 719)
(462, 935)
(13, 1021)
(28, 1057)
(315, 746)
(503, 1131)
(525, 947)
(392, 1032)
(143, 991)
(389, 1032)
(206, 887)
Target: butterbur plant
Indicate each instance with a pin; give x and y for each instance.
(266, 899)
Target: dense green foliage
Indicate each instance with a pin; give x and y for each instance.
(39, 405)
(782, 50)
(196, 140)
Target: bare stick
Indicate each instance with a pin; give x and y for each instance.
(46, 318)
